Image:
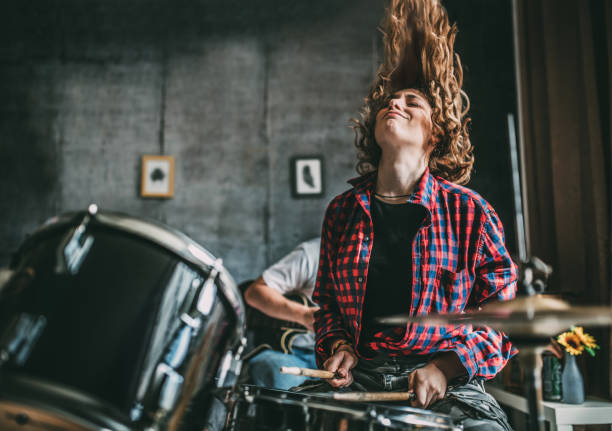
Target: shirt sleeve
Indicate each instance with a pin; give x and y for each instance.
(291, 273)
(482, 350)
(328, 320)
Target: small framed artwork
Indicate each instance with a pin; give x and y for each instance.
(157, 177)
(307, 176)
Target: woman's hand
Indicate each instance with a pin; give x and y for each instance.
(341, 363)
(428, 384)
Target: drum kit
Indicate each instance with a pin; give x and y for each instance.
(110, 322)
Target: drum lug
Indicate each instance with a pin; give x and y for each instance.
(252, 411)
(191, 322)
(307, 417)
(209, 290)
(242, 346)
(179, 348)
(383, 420)
(229, 370)
(170, 389)
(74, 248)
(136, 412)
(5, 276)
(21, 337)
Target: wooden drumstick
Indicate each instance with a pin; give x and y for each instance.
(308, 372)
(374, 396)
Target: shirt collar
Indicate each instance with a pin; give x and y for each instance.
(362, 188)
(425, 191)
(423, 194)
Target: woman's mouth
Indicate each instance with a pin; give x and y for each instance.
(396, 114)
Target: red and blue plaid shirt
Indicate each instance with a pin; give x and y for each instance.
(459, 261)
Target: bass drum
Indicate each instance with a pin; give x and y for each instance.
(112, 322)
(263, 409)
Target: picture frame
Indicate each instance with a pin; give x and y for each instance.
(157, 176)
(307, 179)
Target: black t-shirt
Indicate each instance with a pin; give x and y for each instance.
(389, 283)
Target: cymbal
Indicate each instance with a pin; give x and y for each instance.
(538, 316)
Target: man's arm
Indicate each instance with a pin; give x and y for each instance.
(271, 302)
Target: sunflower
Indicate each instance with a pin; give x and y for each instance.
(586, 339)
(589, 341)
(571, 342)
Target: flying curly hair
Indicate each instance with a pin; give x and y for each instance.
(419, 53)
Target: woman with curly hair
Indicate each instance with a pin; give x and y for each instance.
(436, 71)
(407, 238)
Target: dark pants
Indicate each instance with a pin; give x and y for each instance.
(468, 404)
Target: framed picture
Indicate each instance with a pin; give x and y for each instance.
(307, 176)
(157, 177)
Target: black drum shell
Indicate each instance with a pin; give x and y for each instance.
(128, 311)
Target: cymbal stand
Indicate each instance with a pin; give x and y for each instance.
(533, 275)
(531, 362)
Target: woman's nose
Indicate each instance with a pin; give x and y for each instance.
(394, 103)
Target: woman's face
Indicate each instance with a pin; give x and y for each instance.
(404, 121)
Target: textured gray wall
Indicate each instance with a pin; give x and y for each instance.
(231, 89)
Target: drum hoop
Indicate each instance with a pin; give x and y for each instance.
(373, 411)
(166, 237)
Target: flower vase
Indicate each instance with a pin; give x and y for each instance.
(572, 383)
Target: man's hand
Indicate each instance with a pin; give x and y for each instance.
(429, 385)
(341, 363)
(271, 302)
(307, 318)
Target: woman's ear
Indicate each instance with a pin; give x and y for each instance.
(433, 143)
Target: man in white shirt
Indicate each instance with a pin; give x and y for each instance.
(294, 273)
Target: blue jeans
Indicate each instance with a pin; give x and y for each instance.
(264, 368)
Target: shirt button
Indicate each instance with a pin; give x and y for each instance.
(360, 279)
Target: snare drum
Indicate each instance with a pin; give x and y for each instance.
(113, 322)
(263, 409)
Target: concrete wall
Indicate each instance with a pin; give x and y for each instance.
(232, 89)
